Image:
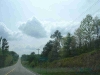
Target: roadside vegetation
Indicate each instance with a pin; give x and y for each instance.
(7, 57)
(76, 54)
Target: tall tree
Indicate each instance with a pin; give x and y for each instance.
(57, 36)
(4, 49)
(5, 46)
(54, 54)
(96, 23)
(79, 36)
(87, 28)
(0, 41)
(67, 45)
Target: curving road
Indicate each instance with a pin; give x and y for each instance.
(16, 69)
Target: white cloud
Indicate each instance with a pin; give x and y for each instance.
(33, 28)
(25, 44)
(63, 26)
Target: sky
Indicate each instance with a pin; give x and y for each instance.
(28, 24)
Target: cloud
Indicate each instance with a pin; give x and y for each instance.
(33, 28)
(63, 26)
(30, 48)
(4, 31)
(24, 49)
(8, 34)
(16, 35)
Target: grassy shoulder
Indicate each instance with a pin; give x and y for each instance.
(87, 60)
(85, 64)
(60, 71)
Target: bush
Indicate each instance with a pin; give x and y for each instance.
(32, 64)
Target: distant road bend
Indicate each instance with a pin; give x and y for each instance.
(16, 69)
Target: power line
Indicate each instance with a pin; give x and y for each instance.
(96, 11)
(83, 13)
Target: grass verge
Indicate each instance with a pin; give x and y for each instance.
(62, 71)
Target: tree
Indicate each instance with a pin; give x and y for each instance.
(5, 46)
(67, 45)
(87, 29)
(14, 55)
(57, 36)
(31, 57)
(54, 54)
(0, 41)
(79, 37)
(96, 23)
(47, 48)
(4, 49)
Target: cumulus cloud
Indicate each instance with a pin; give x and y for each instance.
(33, 28)
(8, 34)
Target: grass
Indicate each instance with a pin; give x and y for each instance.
(63, 71)
(90, 60)
(70, 73)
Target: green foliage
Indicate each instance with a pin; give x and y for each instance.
(63, 71)
(24, 63)
(89, 60)
(32, 64)
(24, 57)
(8, 60)
(47, 49)
(57, 35)
(32, 59)
(7, 57)
(54, 55)
(67, 45)
(78, 50)
(0, 52)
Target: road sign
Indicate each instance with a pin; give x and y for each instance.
(43, 58)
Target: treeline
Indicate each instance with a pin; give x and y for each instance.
(85, 39)
(7, 57)
(33, 59)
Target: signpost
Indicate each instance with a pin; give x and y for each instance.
(45, 60)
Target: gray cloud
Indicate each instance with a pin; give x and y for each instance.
(4, 31)
(8, 34)
(30, 48)
(33, 28)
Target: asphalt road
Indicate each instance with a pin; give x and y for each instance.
(16, 69)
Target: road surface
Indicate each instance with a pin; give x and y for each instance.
(16, 69)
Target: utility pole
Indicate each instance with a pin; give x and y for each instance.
(38, 52)
(38, 58)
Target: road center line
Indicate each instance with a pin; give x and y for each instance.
(10, 71)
